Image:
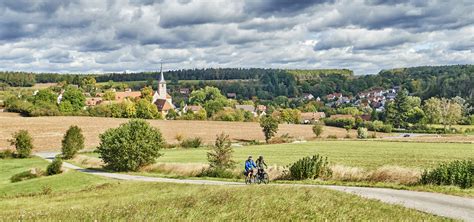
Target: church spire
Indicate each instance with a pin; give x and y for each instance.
(162, 77)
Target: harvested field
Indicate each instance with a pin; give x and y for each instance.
(47, 132)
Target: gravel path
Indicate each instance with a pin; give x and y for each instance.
(435, 203)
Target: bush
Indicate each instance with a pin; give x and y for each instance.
(362, 133)
(269, 127)
(6, 154)
(216, 172)
(332, 137)
(318, 129)
(131, 146)
(72, 142)
(285, 138)
(191, 142)
(26, 175)
(54, 167)
(23, 143)
(310, 168)
(459, 173)
(220, 157)
(342, 123)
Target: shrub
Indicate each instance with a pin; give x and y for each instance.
(23, 143)
(362, 133)
(318, 129)
(132, 145)
(55, 167)
(191, 142)
(342, 123)
(216, 172)
(332, 137)
(220, 157)
(72, 142)
(269, 127)
(26, 175)
(6, 154)
(310, 168)
(459, 173)
(285, 138)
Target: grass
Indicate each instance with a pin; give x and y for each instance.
(362, 163)
(366, 154)
(156, 201)
(70, 180)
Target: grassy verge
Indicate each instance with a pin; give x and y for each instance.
(156, 201)
(67, 181)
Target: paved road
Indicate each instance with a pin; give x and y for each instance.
(434, 203)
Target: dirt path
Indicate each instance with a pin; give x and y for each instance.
(434, 203)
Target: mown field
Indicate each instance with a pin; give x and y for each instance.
(365, 154)
(100, 199)
(47, 132)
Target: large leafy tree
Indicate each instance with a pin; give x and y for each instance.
(210, 98)
(131, 146)
(23, 143)
(72, 142)
(147, 110)
(269, 127)
(75, 97)
(397, 111)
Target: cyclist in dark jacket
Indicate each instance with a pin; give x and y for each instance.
(260, 164)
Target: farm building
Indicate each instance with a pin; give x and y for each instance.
(312, 117)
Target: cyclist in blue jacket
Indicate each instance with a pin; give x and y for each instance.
(250, 166)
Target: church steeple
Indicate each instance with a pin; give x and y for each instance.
(162, 77)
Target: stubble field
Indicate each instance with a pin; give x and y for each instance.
(47, 132)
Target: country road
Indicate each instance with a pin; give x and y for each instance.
(438, 204)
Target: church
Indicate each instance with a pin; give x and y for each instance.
(161, 98)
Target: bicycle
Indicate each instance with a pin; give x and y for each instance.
(262, 176)
(250, 179)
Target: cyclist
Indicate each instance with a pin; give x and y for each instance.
(249, 166)
(260, 165)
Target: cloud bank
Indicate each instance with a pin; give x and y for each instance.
(135, 35)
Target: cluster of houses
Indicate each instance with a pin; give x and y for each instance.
(374, 98)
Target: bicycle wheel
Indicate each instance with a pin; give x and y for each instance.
(248, 180)
(265, 178)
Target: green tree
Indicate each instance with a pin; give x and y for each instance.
(146, 110)
(397, 111)
(318, 129)
(130, 109)
(220, 157)
(72, 142)
(290, 116)
(269, 127)
(75, 97)
(45, 96)
(88, 84)
(210, 98)
(147, 93)
(432, 110)
(171, 114)
(54, 167)
(451, 112)
(109, 95)
(23, 143)
(131, 146)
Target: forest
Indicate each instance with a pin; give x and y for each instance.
(424, 82)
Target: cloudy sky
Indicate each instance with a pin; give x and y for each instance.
(135, 35)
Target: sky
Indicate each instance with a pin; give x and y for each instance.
(95, 36)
